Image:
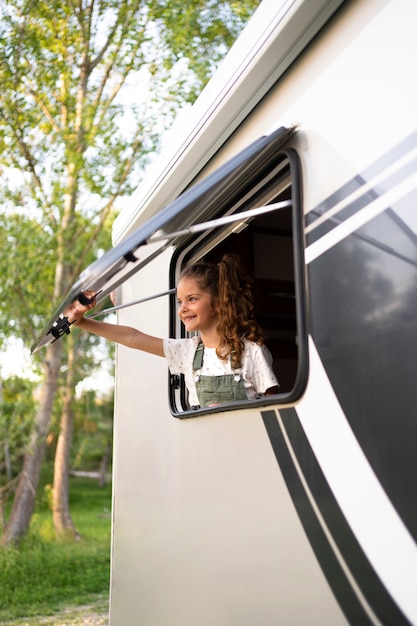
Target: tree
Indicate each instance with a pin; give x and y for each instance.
(87, 88)
(75, 370)
(93, 433)
(63, 522)
(17, 409)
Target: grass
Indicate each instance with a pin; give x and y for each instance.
(46, 574)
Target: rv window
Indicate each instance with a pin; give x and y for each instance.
(271, 248)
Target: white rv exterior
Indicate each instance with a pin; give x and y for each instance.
(300, 509)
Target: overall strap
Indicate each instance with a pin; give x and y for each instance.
(198, 356)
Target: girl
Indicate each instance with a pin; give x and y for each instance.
(227, 360)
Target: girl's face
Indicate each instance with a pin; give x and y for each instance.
(195, 306)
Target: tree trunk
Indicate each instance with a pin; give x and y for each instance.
(60, 509)
(7, 462)
(24, 500)
(9, 482)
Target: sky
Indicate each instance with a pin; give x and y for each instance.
(16, 360)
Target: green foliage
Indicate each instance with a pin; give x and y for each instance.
(45, 574)
(17, 412)
(87, 89)
(93, 430)
(64, 68)
(200, 33)
(27, 268)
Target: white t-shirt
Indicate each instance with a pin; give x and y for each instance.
(256, 365)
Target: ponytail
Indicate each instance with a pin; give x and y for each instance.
(235, 310)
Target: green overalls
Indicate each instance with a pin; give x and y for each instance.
(212, 390)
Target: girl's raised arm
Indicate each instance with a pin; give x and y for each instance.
(125, 335)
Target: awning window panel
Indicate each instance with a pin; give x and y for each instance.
(206, 200)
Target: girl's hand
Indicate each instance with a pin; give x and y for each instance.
(77, 309)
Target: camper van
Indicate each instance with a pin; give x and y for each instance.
(299, 508)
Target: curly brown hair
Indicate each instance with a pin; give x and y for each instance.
(231, 291)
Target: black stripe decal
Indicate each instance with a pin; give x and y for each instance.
(359, 203)
(407, 145)
(365, 577)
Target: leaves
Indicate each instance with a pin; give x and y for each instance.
(24, 298)
(200, 32)
(17, 411)
(87, 88)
